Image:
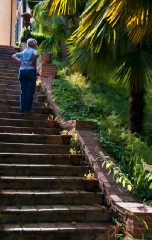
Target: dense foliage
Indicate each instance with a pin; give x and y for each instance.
(27, 33)
(105, 104)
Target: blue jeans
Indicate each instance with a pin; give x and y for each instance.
(27, 80)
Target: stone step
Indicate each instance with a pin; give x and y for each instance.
(15, 103)
(8, 60)
(7, 57)
(13, 92)
(31, 158)
(30, 138)
(58, 231)
(9, 91)
(14, 109)
(40, 130)
(14, 97)
(9, 82)
(8, 78)
(41, 182)
(9, 86)
(38, 197)
(25, 116)
(34, 148)
(6, 47)
(9, 65)
(54, 213)
(41, 169)
(14, 69)
(5, 74)
(6, 70)
(7, 52)
(23, 122)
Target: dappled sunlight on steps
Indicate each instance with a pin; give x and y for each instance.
(41, 195)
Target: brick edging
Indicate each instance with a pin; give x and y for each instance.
(129, 211)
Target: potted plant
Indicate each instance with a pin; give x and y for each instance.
(75, 156)
(90, 182)
(38, 85)
(17, 47)
(46, 58)
(66, 137)
(46, 108)
(26, 19)
(41, 98)
(51, 121)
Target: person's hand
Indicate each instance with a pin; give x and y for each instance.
(20, 62)
(37, 74)
(31, 64)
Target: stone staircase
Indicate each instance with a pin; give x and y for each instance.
(42, 195)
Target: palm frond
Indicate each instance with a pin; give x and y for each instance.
(50, 45)
(92, 26)
(64, 7)
(135, 70)
(84, 59)
(135, 15)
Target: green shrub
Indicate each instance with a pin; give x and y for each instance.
(27, 33)
(106, 104)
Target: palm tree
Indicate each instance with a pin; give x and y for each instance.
(125, 28)
(112, 33)
(54, 27)
(60, 13)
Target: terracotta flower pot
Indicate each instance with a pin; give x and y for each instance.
(51, 123)
(46, 110)
(66, 139)
(26, 19)
(75, 159)
(90, 184)
(41, 98)
(16, 49)
(46, 58)
(37, 88)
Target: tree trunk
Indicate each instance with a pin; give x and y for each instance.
(64, 52)
(137, 104)
(63, 45)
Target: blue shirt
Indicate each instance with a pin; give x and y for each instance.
(26, 58)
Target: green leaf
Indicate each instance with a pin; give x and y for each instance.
(129, 187)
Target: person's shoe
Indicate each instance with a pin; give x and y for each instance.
(21, 111)
(30, 112)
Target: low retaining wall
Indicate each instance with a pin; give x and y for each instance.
(131, 212)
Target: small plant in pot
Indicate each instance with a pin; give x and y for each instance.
(17, 47)
(51, 121)
(41, 98)
(75, 156)
(66, 137)
(46, 108)
(90, 182)
(38, 85)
